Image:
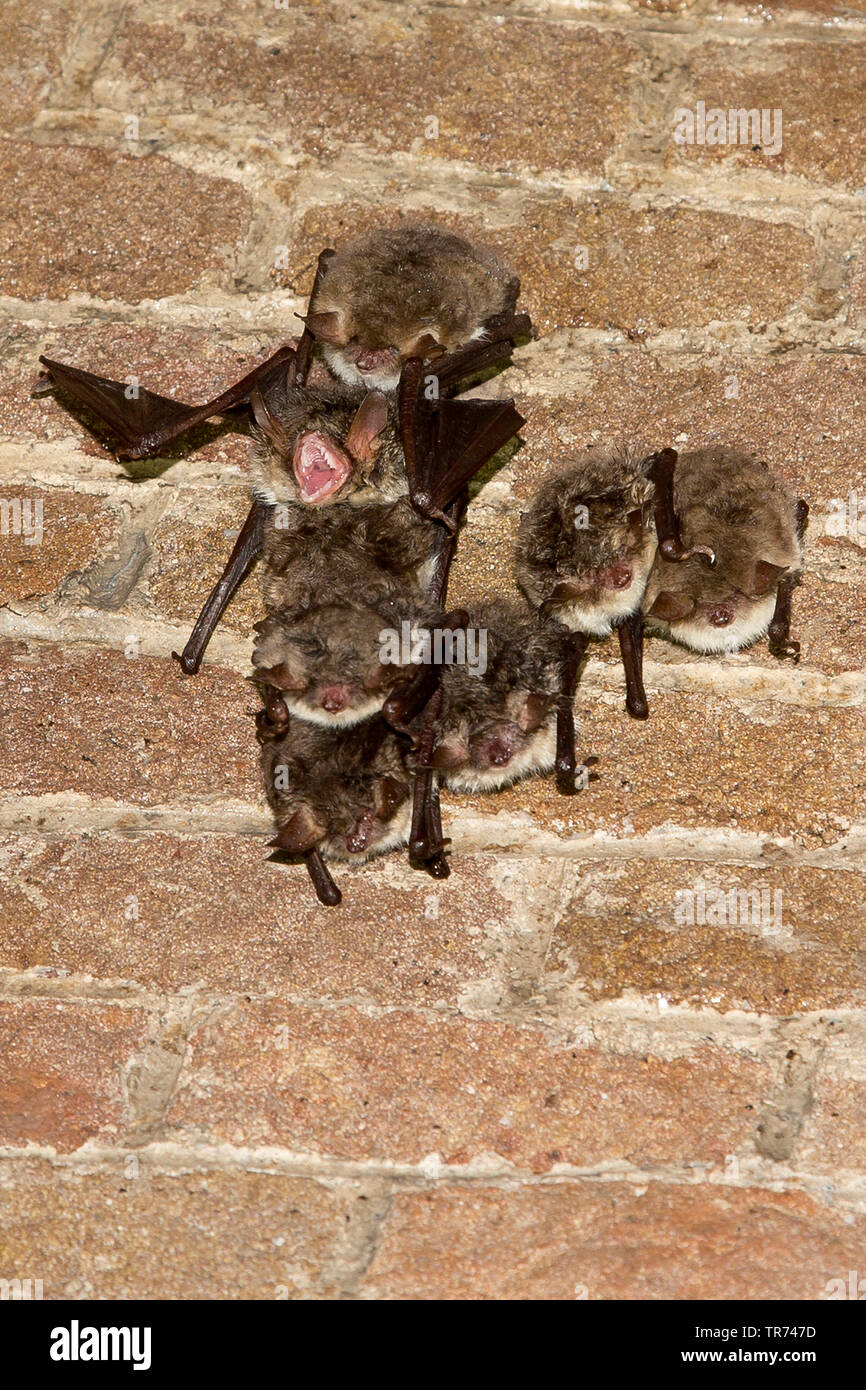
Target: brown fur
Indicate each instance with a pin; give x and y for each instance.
(728, 501)
(346, 793)
(490, 725)
(553, 549)
(372, 555)
(395, 288)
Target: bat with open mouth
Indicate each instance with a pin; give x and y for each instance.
(453, 441)
(584, 553)
(336, 795)
(731, 506)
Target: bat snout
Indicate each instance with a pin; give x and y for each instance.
(618, 576)
(335, 698)
(376, 359)
(721, 614)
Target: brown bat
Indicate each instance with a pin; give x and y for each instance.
(584, 553)
(337, 664)
(444, 442)
(341, 795)
(409, 291)
(731, 505)
(497, 718)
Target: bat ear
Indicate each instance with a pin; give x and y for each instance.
(388, 794)
(370, 420)
(327, 327)
(671, 607)
(563, 593)
(451, 752)
(766, 577)
(534, 712)
(280, 677)
(300, 833)
(268, 423)
(424, 345)
(635, 525)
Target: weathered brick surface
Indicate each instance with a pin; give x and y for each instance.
(815, 86)
(798, 415)
(49, 535)
(160, 979)
(403, 1087)
(101, 724)
(62, 1070)
(111, 224)
(144, 909)
(323, 78)
(33, 45)
(126, 1233)
(612, 1241)
(602, 264)
(796, 942)
(698, 761)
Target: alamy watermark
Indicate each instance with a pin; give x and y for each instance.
(708, 906)
(22, 516)
(736, 126)
(438, 646)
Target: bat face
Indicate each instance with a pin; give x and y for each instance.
(707, 611)
(499, 725)
(735, 507)
(402, 292)
(326, 663)
(318, 448)
(331, 793)
(489, 753)
(587, 544)
(595, 599)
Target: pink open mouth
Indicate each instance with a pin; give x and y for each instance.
(320, 465)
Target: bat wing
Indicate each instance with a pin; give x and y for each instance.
(142, 420)
(464, 435)
(491, 351)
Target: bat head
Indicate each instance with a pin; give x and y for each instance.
(320, 450)
(327, 663)
(496, 748)
(401, 292)
(713, 610)
(338, 795)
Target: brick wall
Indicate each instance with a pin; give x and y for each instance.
(535, 1079)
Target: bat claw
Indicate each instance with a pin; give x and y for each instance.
(188, 664)
(785, 650)
(638, 709)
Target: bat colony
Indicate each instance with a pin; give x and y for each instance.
(361, 485)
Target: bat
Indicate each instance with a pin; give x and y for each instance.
(416, 290)
(731, 508)
(584, 553)
(338, 795)
(496, 725)
(340, 663)
(448, 445)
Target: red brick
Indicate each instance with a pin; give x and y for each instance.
(142, 908)
(619, 935)
(131, 1234)
(110, 224)
(33, 43)
(333, 77)
(62, 1068)
(74, 529)
(401, 1087)
(612, 1241)
(95, 722)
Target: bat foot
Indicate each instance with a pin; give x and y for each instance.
(565, 783)
(637, 708)
(438, 867)
(785, 649)
(188, 664)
